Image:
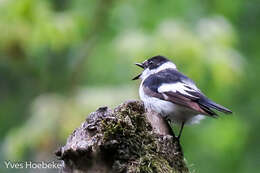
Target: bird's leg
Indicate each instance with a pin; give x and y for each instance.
(182, 125)
(168, 122)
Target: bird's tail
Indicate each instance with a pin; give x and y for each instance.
(216, 106)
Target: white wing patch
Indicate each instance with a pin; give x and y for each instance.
(177, 87)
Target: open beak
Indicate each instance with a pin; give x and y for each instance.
(137, 77)
(139, 65)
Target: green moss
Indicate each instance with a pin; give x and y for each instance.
(136, 147)
(151, 164)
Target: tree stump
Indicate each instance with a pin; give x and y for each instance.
(126, 139)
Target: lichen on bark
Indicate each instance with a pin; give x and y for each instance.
(121, 140)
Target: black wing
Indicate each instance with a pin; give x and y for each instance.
(173, 86)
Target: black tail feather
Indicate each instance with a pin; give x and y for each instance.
(209, 111)
(216, 106)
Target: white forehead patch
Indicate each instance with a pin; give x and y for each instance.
(164, 66)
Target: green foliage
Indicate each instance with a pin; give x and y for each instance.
(60, 60)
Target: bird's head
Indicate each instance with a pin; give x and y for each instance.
(154, 65)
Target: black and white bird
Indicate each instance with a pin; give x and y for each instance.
(173, 95)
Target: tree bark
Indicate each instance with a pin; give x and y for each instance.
(126, 139)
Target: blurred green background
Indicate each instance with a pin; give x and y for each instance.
(62, 59)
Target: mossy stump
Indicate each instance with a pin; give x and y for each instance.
(121, 140)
